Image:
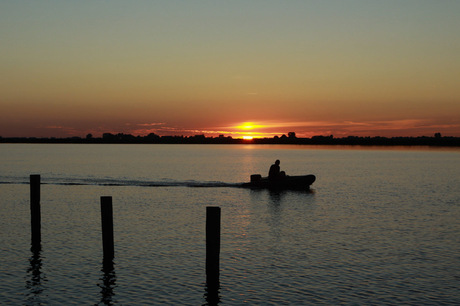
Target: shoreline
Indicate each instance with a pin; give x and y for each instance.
(436, 141)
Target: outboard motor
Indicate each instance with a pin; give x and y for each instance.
(255, 177)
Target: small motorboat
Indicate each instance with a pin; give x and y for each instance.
(300, 182)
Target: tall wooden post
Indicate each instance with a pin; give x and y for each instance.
(107, 228)
(35, 213)
(212, 246)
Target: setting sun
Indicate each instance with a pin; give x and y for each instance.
(249, 126)
(249, 130)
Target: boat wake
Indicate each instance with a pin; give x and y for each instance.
(120, 182)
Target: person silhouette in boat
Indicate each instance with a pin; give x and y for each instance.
(274, 173)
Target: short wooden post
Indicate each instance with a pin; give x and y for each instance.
(35, 211)
(107, 228)
(212, 246)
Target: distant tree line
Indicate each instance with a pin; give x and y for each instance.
(109, 138)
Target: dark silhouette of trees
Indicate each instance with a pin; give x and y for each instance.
(152, 138)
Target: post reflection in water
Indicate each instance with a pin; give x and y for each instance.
(107, 284)
(35, 279)
(211, 294)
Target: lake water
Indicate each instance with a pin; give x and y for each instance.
(379, 227)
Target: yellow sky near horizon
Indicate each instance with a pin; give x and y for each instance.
(369, 68)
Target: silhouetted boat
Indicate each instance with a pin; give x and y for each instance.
(301, 182)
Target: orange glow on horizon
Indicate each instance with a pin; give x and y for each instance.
(249, 130)
(303, 129)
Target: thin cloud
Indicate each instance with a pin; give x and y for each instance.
(66, 129)
(342, 128)
(262, 129)
(151, 124)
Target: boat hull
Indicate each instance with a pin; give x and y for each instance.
(301, 182)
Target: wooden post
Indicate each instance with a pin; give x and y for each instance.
(212, 246)
(107, 228)
(35, 211)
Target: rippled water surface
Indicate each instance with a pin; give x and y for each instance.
(378, 227)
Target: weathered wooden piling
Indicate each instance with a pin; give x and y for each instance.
(35, 213)
(212, 246)
(107, 228)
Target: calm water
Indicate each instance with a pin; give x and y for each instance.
(380, 227)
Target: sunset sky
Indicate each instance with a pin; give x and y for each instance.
(237, 68)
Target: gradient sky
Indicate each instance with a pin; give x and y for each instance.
(344, 67)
